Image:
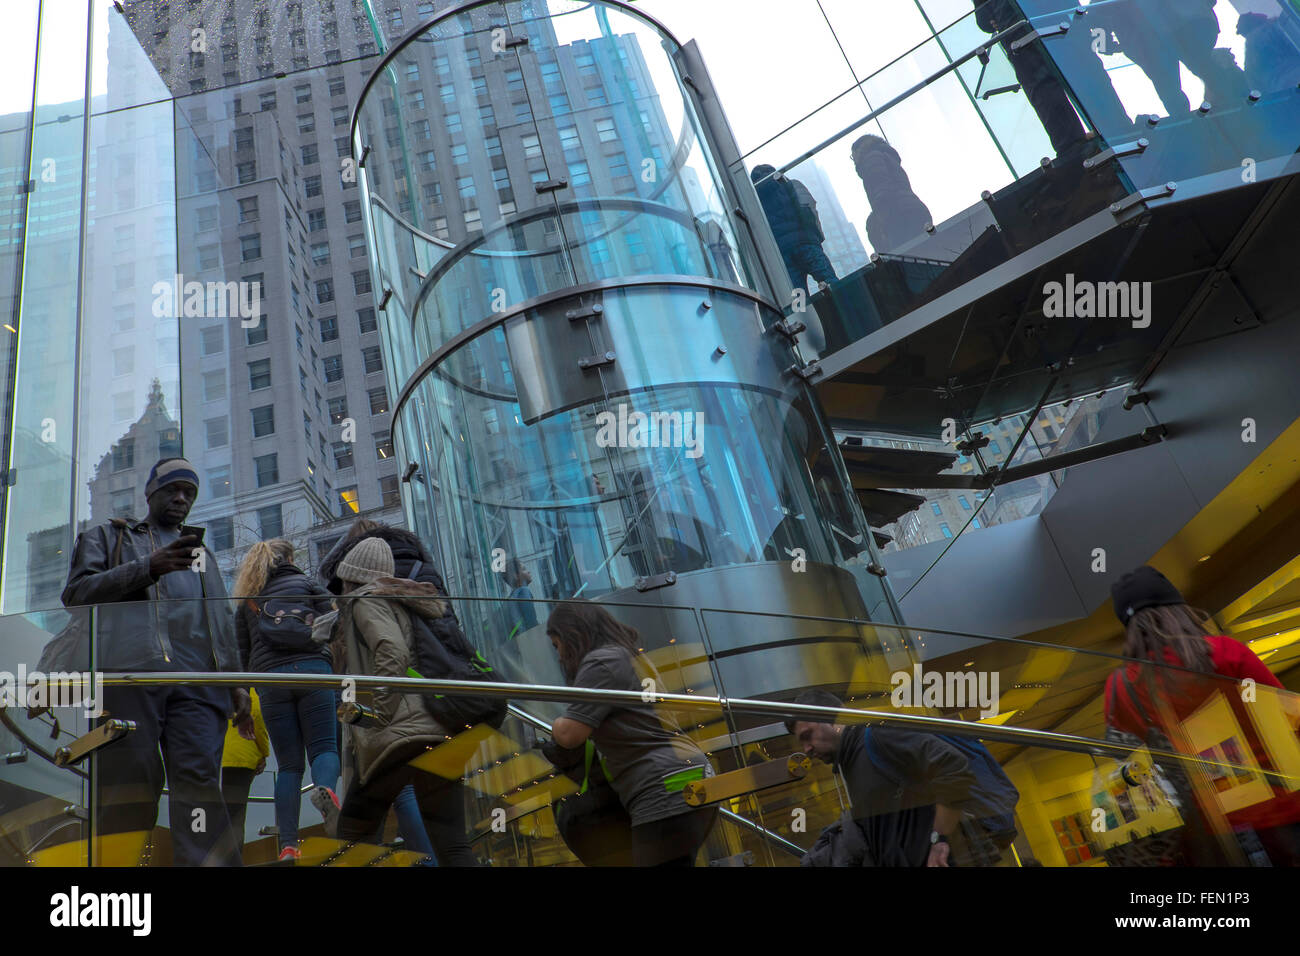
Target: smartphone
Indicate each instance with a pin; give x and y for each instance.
(188, 529)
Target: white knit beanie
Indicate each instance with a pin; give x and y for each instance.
(369, 560)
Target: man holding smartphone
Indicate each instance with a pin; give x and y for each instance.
(160, 603)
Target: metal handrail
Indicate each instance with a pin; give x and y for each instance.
(1022, 736)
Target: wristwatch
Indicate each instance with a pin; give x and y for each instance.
(937, 837)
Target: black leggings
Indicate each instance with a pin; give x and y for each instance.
(672, 841)
(442, 807)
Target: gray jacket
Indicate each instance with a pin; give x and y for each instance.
(130, 631)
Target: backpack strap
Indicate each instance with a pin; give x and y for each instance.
(589, 753)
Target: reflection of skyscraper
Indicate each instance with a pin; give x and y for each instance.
(843, 246)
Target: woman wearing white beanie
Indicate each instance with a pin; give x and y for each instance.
(375, 630)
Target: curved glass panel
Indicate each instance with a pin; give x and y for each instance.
(547, 145)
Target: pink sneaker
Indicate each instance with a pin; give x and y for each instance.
(326, 802)
(290, 853)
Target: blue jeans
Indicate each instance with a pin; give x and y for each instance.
(294, 718)
(806, 258)
(410, 824)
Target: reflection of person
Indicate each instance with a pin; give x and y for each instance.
(792, 213)
(171, 616)
(897, 213)
(899, 827)
(1157, 34)
(1272, 62)
(1161, 627)
(518, 578)
(1036, 68)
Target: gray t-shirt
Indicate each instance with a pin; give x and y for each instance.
(648, 756)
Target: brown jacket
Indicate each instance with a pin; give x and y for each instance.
(374, 628)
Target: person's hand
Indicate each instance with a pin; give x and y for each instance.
(939, 854)
(177, 556)
(261, 766)
(243, 716)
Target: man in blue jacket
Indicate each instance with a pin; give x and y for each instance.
(161, 607)
(792, 213)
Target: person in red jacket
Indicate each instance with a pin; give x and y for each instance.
(1161, 627)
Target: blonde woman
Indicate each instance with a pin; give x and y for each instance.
(273, 624)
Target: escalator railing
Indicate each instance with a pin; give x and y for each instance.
(727, 679)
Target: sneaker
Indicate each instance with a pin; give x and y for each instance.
(326, 802)
(290, 853)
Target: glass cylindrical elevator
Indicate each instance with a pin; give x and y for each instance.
(580, 348)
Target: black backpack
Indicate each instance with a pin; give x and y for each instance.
(285, 622)
(442, 652)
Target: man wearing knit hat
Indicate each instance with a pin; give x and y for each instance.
(159, 598)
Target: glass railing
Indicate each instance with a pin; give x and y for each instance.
(1002, 131)
(1217, 787)
(940, 209)
(1202, 96)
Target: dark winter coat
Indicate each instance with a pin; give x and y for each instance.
(130, 627)
(255, 651)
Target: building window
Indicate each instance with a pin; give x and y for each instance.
(338, 409)
(124, 455)
(349, 503)
(320, 253)
(343, 457)
(250, 247)
(259, 374)
(934, 505)
(246, 172)
(310, 155)
(333, 365)
(218, 434)
(218, 481)
(961, 499)
(383, 445)
(266, 101)
(337, 86)
(268, 470)
(388, 487)
(263, 421)
(374, 362)
(356, 246)
(302, 94)
(221, 531)
(306, 123)
(378, 400)
(214, 386)
(947, 532)
(352, 211)
(366, 320)
(256, 334)
(361, 282)
(324, 291)
(329, 328)
(315, 220)
(975, 522)
(248, 209)
(311, 186)
(270, 522)
(605, 130)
